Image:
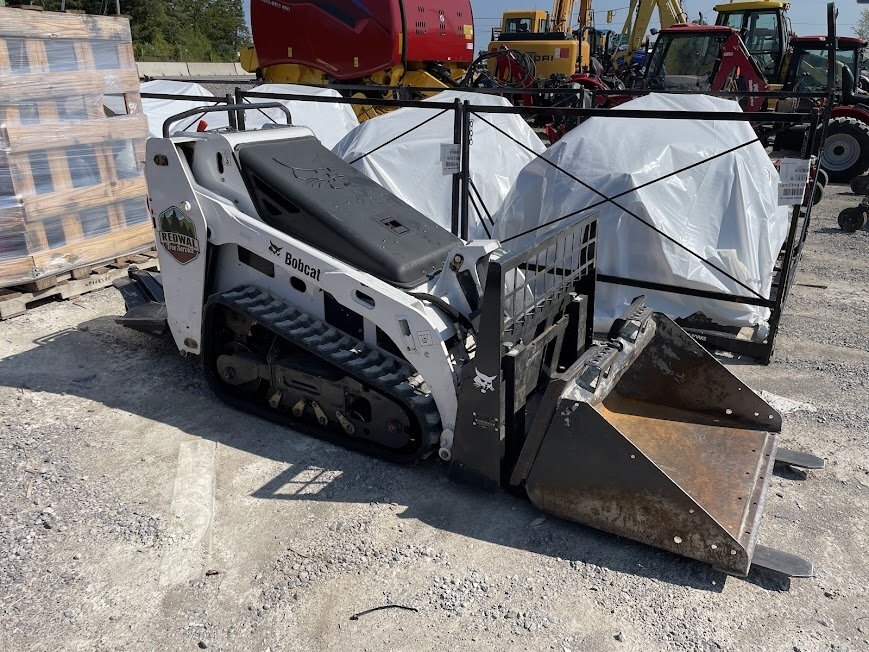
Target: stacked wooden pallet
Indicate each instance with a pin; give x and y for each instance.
(81, 280)
(72, 140)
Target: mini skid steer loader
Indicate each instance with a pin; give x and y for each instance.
(318, 300)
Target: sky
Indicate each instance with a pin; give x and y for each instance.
(808, 17)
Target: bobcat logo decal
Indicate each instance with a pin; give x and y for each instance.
(483, 382)
(321, 177)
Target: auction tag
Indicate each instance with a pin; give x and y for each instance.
(451, 156)
(793, 177)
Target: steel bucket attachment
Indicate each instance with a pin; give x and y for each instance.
(650, 438)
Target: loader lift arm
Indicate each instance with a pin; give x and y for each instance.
(562, 10)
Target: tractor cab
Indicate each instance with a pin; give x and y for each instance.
(807, 70)
(518, 24)
(846, 147)
(685, 58)
(601, 45)
(765, 29)
(701, 58)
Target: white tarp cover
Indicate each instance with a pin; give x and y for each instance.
(158, 110)
(329, 122)
(411, 166)
(725, 209)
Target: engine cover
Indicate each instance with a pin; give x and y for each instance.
(309, 193)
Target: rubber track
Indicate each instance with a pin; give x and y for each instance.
(370, 366)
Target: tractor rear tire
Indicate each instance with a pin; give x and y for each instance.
(852, 219)
(846, 149)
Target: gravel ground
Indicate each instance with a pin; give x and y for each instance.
(138, 512)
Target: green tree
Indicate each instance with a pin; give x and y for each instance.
(863, 25)
(223, 24)
(152, 28)
(207, 30)
(88, 6)
(183, 30)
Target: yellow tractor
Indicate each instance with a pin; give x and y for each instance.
(765, 29)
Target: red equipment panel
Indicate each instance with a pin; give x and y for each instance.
(353, 38)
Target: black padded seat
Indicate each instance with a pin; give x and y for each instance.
(301, 188)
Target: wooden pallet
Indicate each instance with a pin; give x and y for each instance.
(16, 301)
(76, 254)
(71, 178)
(52, 57)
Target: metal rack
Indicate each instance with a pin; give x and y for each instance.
(464, 113)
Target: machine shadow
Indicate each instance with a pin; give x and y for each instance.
(159, 385)
(835, 230)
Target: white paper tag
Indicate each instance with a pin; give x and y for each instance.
(451, 156)
(793, 175)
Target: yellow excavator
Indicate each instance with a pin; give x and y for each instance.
(547, 37)
(632, 41)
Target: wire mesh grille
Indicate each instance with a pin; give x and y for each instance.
(538, 282)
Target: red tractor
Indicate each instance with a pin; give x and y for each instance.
(705, 58)
(846, 148)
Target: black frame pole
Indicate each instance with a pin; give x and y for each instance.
(458, 131)
(467, 137)
(781, 291)
(832, 46)
(817, 127)
(232, 115)
(791, 255)
(240, 100)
